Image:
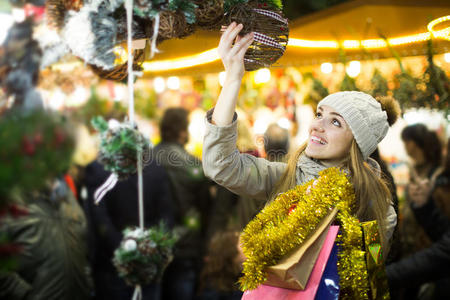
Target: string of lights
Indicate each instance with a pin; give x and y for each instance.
(211, 55)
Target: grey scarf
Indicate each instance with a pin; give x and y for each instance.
(309, 168)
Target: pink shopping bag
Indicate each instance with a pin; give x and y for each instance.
(267, 292)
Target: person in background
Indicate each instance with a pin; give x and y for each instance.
(117, 211)
(441, 190)
(223, 265)
(191, 195)
(425, 150)
(53, 261)
(276, 142)
(231, 211)
(431, 264)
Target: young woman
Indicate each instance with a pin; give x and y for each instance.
(347, 129)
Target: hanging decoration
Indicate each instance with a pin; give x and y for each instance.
(143, 255)
(405, 91)
(270, 28)
(90, 34)
(437, 84)
(317, 90)
(379, 84)
(120, 71)
(120, 145)
(177, 21)
(348, 84)
(209, 14)
(284, 223)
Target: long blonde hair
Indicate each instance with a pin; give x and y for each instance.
(372, 193)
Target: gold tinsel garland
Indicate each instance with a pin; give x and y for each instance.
(286, 222)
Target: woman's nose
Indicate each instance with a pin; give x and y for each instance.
(317, 125)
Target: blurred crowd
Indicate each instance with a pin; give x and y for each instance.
(67, 241)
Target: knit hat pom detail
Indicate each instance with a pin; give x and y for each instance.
(391, 107)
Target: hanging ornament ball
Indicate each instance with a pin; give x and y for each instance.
(173, 24)
(270, 28)
(130, 245)
(209, 14)
(142, 258)
(119, 146)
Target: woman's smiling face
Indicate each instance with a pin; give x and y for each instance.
(330, 137)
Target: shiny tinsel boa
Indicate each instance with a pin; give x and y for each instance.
(288, 220)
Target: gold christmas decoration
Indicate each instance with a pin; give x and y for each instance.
(288, 220)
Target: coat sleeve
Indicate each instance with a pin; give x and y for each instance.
(13, 287)
(243, 174)
(429, 264)
(431, 219)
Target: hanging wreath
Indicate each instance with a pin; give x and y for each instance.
(119, 146)
(143, 255)
(292, 216)
(270, 28)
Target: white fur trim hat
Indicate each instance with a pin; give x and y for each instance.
(363, 114)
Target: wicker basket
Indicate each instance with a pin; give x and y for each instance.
(209, 14)
(271, 33)
(120, 72)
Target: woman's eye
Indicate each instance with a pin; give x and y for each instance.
(336, 122)
(318, 114)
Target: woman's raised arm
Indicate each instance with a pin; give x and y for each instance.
(233, 60)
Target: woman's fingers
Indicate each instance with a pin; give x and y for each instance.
(245, 46)
(230, 34)
(241, 47)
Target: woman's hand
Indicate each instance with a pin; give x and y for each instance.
(233, 61)
(233, 55)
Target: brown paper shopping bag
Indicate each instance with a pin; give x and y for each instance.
(294, 269)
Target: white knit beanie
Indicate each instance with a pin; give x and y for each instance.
(363, 114)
